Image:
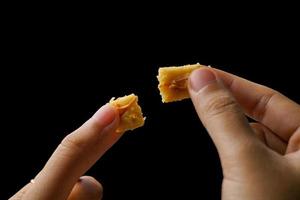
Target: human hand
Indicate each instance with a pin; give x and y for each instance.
(60, 178)
(260, 160)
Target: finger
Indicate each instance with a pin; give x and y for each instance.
(86, 188)
(294, 142)
(274, 110)
(20, 193)
(269, 138)
(294, 159)
(220, 113)
(75, 155)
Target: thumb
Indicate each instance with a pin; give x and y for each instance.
(220, 113)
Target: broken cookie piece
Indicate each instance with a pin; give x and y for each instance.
(131, 116)
(173, 82)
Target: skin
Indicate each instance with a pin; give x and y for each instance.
(61, 178)
(260, 160)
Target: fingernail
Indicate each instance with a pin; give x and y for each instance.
(200, 78)
(106, 115)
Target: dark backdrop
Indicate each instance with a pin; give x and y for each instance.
(58, 74)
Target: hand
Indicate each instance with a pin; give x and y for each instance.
(61, 179)
(260, 160)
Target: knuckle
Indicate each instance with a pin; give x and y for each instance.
(71, 142)
(219, 105)
(260, 108)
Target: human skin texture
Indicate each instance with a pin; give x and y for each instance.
(260, 160)
(62, 176)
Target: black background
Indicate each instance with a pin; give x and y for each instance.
(58, 72)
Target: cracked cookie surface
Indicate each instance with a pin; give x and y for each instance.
(173, 82)
(131, 116)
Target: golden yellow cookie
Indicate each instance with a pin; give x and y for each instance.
(131, 116)
(173, 82)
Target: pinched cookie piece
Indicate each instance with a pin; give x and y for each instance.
(173, 82)
(131, 116)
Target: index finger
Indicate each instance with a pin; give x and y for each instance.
(264, 104)
(75, 155)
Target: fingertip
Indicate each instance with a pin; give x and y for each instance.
(105, 116)
(200, 78)
(86, 187)
(92, 185)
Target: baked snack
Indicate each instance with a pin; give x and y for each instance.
(131, 116)
(173, 82)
